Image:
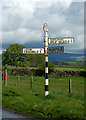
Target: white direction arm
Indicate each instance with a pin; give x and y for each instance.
(33, 50)
(65, 40)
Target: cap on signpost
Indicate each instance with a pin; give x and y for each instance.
(45, 27)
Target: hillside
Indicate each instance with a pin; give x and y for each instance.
(66, 57)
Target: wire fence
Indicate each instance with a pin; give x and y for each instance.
(56, 85)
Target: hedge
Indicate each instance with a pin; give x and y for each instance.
(37, 72)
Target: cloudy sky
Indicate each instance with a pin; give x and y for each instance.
(22, 22)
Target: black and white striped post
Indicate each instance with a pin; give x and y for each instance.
(45, 27)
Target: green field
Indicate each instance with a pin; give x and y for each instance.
(61, 65)
(57, 67)
(19, 96)
(70, 65)
(71, 69)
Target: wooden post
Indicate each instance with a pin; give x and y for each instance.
(31, 81)
(69, 86)
(5, 81)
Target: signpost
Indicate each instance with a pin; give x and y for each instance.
(46, 50)
(65, 40)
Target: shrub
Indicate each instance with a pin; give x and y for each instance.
(50, 67)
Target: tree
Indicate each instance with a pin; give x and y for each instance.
(14, 56)
(36, 59)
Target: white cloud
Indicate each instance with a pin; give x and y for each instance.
(80, 42)
(0, 37)
(21, 11)
(23, 21)
(21, 36)
(63, 4)
(0, 17)
(66, 32)
(78, 0)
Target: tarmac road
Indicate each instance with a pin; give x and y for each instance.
(8, 114)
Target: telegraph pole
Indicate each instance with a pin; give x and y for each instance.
(45, 27)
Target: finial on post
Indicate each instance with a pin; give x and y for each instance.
(45, 27)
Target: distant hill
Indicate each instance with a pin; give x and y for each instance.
(66, 57)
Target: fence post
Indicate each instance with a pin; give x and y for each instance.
(31, 80)
(5, 81)
(69, 86)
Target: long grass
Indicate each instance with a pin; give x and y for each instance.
(19, 96)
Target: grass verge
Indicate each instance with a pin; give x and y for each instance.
(59, 104)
